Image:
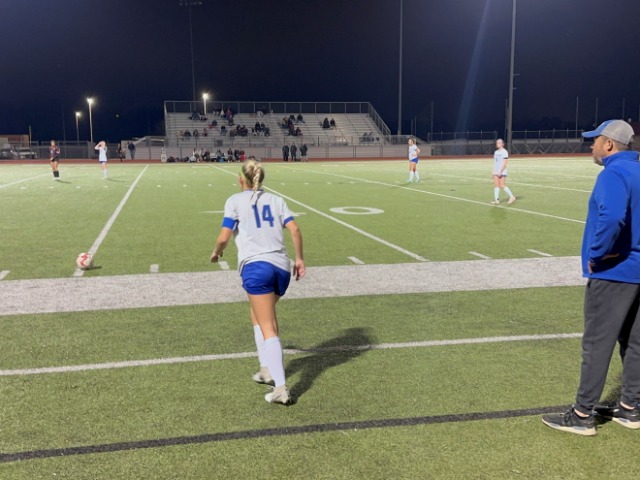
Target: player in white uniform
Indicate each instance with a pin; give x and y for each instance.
(101, 147)
(414, 151)
(256, 219)
(500, 158)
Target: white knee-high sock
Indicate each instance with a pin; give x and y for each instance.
(257, 334)
(496, 193)
(275, 362)
(417, 176)
(508, 191)
(411, 175)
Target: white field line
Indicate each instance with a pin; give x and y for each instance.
(242, 355)
(111, 221)
(538, 252)
(4, 273)
(476, 254)
(23, 180)
(486, 204)
(154, 268)
(344, 224)
(223, 265)
(478, 180)
(356, 260)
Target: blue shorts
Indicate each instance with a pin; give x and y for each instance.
(260, 278)
(414, 160)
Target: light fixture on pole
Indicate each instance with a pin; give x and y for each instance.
(78, 115)
(205, 97)
(90, 102)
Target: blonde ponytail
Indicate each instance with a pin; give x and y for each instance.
(253, 174)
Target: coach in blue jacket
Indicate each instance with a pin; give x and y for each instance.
(611, 262)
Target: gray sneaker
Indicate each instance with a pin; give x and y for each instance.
(629, 418)
(571, 422)
(263, 376)
(279, 395)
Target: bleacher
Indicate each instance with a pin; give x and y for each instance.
(350, 129)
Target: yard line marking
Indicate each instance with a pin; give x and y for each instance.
(23, 180)
(223, 265)
(435, 174)
(355, 260)
(103, 234)
(480, 255)
(344, 224)
(537, 252)
(154, 268)
(287, 351)
(4, 273)
(476, 202)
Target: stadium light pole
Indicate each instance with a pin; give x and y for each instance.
(78, 115)
(511, 76)
(205, 97)
(189, 4)
(400, 76)
(90, 102)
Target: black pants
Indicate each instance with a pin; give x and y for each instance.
(611, 312)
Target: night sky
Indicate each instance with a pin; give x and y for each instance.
(132, 55)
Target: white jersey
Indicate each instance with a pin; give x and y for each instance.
(257, 220)
(413, 152)
(498, 156)
(102, 154)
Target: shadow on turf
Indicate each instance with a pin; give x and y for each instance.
(352, 343)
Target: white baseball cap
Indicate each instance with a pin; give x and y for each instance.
(617, 130)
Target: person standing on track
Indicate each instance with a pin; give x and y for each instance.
(54, 158)
(414, 151)
(611, 262)
(101, 147)
(256, 219)
(500, 159)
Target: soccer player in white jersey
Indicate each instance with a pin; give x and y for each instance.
(500, 159)
(414, 151)
(101, 147)
(256, 219)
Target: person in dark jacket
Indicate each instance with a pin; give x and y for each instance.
(294, 152)
(611, 262)
(285, 153)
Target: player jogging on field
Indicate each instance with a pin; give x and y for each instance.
(256, 219)
(54, 158)
(500, 159)
(101, 147)
(414, 151)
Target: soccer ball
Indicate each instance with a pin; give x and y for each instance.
(84, 261)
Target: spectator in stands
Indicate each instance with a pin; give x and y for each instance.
(256, 127)
(298, 132)
(300, 118)
(294, 152)
(332, 123)
(206, 156)
(196, 133)
(230, 155)
(219, 156)
(303, 152)
(213, 124)
(120, 152)
(325, 123)
(243, 157)
(204, 132)
(266, 131)
(285, 153)
(223, 130)
(236, 154)
(132, 150)
(187, 134)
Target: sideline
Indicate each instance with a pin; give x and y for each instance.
(150, 290)
(287, 351)
(105, 230)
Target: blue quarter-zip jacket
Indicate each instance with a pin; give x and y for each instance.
(611, 241)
